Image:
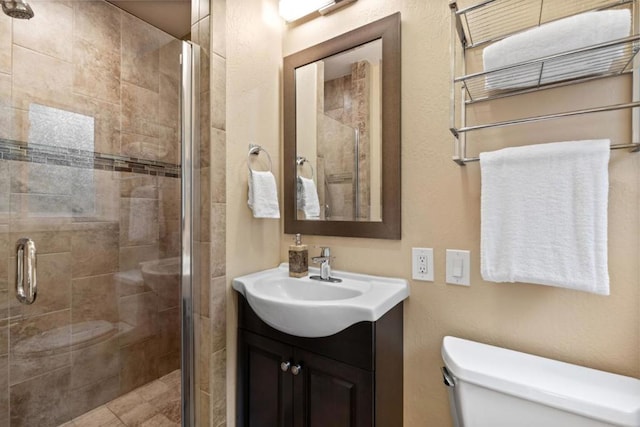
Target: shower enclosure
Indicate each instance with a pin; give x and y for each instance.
(98, 174)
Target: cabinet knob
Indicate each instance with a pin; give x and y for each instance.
(284, 366)
(296, 369)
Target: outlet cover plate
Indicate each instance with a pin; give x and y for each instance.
(422, 264)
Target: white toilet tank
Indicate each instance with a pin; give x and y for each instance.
(495, 387)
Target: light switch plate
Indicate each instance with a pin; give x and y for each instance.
(458, 266)
(422, 264)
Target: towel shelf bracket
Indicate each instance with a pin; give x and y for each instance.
(484, 22)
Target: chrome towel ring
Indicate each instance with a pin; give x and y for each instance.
(254, 150)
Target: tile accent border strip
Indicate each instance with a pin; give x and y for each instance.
(71, 157)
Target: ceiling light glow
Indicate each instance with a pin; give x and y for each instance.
(292, 10)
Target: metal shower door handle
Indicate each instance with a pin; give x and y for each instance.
(26, 271)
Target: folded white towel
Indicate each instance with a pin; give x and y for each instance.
(307, 198)
(263, 195)
(544, 215)
(564, 35)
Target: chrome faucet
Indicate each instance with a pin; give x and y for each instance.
(325, 266)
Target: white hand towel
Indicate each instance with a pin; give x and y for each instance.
(564, 35)
(544, 215)
(307, 198)
(263, 195)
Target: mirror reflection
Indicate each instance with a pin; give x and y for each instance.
(339, 136)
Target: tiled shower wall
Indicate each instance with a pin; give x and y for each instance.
(346, 107)
(208, 18)
(102, 207)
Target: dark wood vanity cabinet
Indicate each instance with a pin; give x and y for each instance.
(350, 379)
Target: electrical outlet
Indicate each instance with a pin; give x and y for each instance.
(422, 264)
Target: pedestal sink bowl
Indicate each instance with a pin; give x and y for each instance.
(311, 308)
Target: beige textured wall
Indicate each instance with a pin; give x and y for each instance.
(441, 209)
(440, 204)
(254, 61)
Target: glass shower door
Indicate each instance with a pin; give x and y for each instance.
(90, 172)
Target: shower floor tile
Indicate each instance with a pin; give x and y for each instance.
(156, 404)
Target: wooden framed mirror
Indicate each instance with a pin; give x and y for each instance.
(342, 135)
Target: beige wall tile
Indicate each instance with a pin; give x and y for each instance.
(203, 8)
(106, 121)
(96, 71)
(5, 44)
(204, 30)
(205, 125)
(48, 32)
(203, 345)
(140, 53)
(169, 101)
(218, 92)
(218, 27)
(139, 110)
(47, 242)
(132, 256)
(170, 239)
(205, 71)
(218, 236)
(4, 390)
(204, 234)
(218, 387)
(54, 284)
(195, 34)
(99, 362)
(170, 59)
(138, 222)
(139, 320)
(5, 89)
(195, 8)
(98, 23)
(41, 79)
(138, 367)
(218, 166)
(203, 408)
(142, 146)
(218, 313)
(33, 403)
(39, 344)
(169, 144)
(94, 249)
(138, 186)
(169, 331)
(204, 279)
(94, 299)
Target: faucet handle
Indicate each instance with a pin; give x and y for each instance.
(325, 251)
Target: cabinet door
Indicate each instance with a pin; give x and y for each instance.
(264, 390)
(330, 393)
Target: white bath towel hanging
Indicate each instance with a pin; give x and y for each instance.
(263, 195)
(544, 215)
(307, 198)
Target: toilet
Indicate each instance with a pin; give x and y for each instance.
(495, 387)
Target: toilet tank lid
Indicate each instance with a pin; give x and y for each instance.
(597, 394)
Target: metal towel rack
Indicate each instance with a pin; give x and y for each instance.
(255, 150)
(492, 20)
(301, 160)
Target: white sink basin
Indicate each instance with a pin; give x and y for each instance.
(311, 308)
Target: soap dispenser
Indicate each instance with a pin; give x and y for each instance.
(298, 258)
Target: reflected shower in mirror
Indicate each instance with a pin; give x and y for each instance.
(338, 121)
(342, 134)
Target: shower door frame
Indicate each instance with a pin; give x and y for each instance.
(190, 200)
